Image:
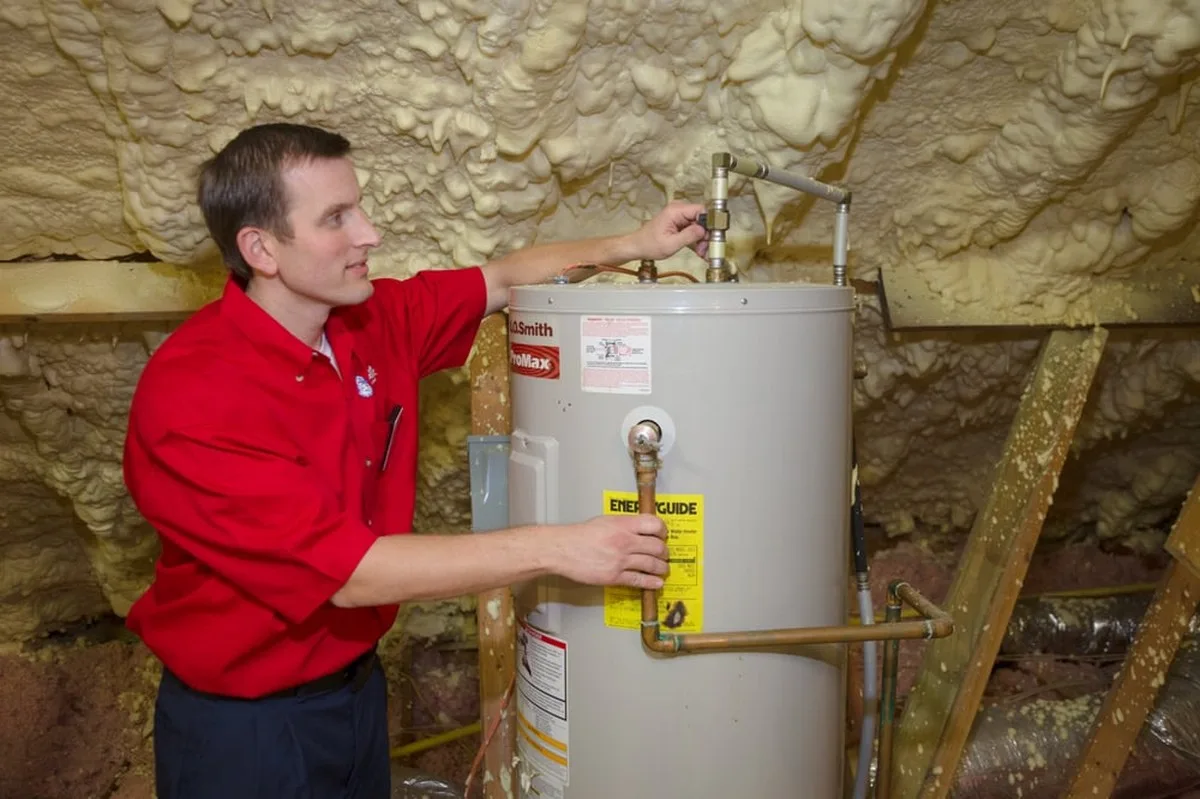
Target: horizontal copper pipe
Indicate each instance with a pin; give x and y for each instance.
(936, 624)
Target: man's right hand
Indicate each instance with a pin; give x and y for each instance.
(607, 550)
(614, 550)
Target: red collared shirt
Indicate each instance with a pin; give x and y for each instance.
(259, 467)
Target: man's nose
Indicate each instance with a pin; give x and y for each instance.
(366, 235)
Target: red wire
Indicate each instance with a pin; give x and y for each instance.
(487, 739)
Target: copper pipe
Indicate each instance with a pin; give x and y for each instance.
(644, 440)
(684, 275)
(887, 714)
(935, 625)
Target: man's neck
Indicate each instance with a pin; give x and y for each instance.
(303, 318)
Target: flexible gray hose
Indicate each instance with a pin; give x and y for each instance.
(870, 715)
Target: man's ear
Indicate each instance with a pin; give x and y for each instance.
(258, 248)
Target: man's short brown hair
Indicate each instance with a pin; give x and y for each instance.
(243, 184)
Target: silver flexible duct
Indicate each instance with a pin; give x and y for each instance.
(1034, 746)
(408, 783)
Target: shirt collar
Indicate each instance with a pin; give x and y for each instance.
(272, 338)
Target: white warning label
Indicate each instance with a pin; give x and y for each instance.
(542, 713)
(615, 354)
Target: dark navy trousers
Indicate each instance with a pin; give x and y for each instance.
(331, 745)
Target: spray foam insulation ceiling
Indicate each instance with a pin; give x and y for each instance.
(1009, 152)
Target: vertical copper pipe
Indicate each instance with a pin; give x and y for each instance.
(647, 475)
(646, 502)
(887, 712)
(644, 440)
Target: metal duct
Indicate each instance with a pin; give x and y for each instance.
(1031, 749)
(1077, 626)
(409, 783)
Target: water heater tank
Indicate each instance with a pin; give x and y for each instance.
(751, 387)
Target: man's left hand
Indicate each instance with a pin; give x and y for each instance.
(673, 228)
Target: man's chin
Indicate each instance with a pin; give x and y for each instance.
(357, 293)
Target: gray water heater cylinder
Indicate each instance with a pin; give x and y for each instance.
(751, 387)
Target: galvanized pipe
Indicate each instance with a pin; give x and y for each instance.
(841, 242)
(752, 169)
(887, 713)
(717, 220)
(718, 214)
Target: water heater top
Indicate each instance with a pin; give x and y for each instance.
(682, 298)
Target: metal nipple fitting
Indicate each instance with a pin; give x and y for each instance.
(645, 438)
(717, 220)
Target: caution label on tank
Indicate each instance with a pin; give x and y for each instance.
(542, 737)
(681, 601)
(614, 354)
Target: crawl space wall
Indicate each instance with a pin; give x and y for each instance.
(1011, 153)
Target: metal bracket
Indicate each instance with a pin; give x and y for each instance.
(488, 458)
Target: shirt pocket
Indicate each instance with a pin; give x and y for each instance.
(379, 457)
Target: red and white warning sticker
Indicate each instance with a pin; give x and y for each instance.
(615, 354)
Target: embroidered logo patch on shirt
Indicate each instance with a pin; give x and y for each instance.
(371, 374)
(364, 388)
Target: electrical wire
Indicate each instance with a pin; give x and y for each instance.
(621, 270)
(487, 739)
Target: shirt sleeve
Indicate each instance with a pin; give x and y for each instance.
(435, 315)
(253, 514)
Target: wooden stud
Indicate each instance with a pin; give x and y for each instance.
(491, 415)
(1136, 687)
(954, 672)
(1184, 541)
(104, 291)
(910, 302)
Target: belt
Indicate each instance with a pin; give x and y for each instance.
(354, 674)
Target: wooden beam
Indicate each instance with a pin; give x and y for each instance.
(1136, 688)
(954, 672)
(104, 291)
(1184, 541)
(490, 416)
(909, 302)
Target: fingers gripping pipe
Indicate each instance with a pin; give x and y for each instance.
(644, 441)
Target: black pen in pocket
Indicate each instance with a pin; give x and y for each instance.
(393, 422)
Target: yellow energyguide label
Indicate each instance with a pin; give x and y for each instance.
(681, 601)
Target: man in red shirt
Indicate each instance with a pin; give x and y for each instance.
(272, 444)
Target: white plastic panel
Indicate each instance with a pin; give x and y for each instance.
(533, 479)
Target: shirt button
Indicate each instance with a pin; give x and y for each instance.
(368, 522)
(299, 378)
(368, 462)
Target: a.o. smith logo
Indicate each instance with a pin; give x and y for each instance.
(533, 360)
(519, 327)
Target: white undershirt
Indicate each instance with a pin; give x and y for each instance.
(326, 350)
